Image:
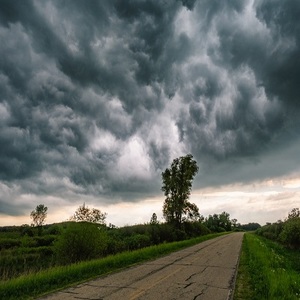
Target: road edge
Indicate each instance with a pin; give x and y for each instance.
(234, 277)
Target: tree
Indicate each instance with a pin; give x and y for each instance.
(219, 223)
(39, 215)
(290, 234)
(295, 213)
(80, 241)
(153, 220)
(91, 215)
(177, 185)
(225, 222)
(234, 223)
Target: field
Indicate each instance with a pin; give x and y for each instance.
(34, 262)
(28, 249)
(267, 270)
(57, 277)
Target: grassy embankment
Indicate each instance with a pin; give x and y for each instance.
(267, 270)
(32, 285)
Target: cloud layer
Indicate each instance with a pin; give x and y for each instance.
(98, 97)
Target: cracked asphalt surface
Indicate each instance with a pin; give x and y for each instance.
(203, 271)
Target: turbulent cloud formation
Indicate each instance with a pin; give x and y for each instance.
(97, 97)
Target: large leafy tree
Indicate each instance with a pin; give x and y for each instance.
(177, 186)
(91, 215)
(219, 222)
(39, 215)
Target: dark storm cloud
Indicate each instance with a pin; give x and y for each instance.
(261, 68)
(283, 65)
(97, 97)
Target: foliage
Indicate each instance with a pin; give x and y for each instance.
(287, 232)
(39, 215)
(218, 223)
(80, 241)
(42, 241)
(194, 229)
(33, 285)
(8, 243)
(269, 270)
(138, 241)
(177, 185)
(92, 215)
(249, 226)
(290, 234)
(26, 230)
(153, 220)
(295, 213)
(271, 231)
(23, 253)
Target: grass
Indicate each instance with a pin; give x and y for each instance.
(52, 279)
(267, 270)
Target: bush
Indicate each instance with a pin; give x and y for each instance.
(80, 241)
(26, 230)
(28, 242)
(154, 233)
(53, 230)
(44, 240)
(194, 229)
(9, 243)
(179, 235)
(138, 241)
(290, 234)
(271, 231)
(166, 233)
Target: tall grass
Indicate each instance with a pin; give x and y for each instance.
(32, 285)
(266, 271)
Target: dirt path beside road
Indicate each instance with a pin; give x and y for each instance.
(204, 271)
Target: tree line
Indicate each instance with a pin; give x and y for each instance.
(286, 232)
(177, 183)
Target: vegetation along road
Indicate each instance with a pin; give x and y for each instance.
(203, 271)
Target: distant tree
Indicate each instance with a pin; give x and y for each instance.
(250, 226)
(218, 223)
(225, 222)
(91, 215)
(295, 213)
(177, 185)
(234, 223)
(153, 220)
(39, 215)
(290, 234)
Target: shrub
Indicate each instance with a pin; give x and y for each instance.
(290, 234)
(166, 232)
(271, 231)
(53, 230)
(179, 235)
(9, 243)
(115, 245)
(26, 230)
(154, 233)
(194, 229)
(80, 241)
(44, 240)
(138, 241)
(28, 242)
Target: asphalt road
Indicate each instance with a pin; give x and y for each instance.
(204, 271)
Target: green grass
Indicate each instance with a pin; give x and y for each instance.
(267, 270)
(33, 285)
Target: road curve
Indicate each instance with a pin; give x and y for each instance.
(203, 271)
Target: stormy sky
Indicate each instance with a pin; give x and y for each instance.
(98, 97)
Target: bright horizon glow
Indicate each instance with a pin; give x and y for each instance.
(261, 202)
